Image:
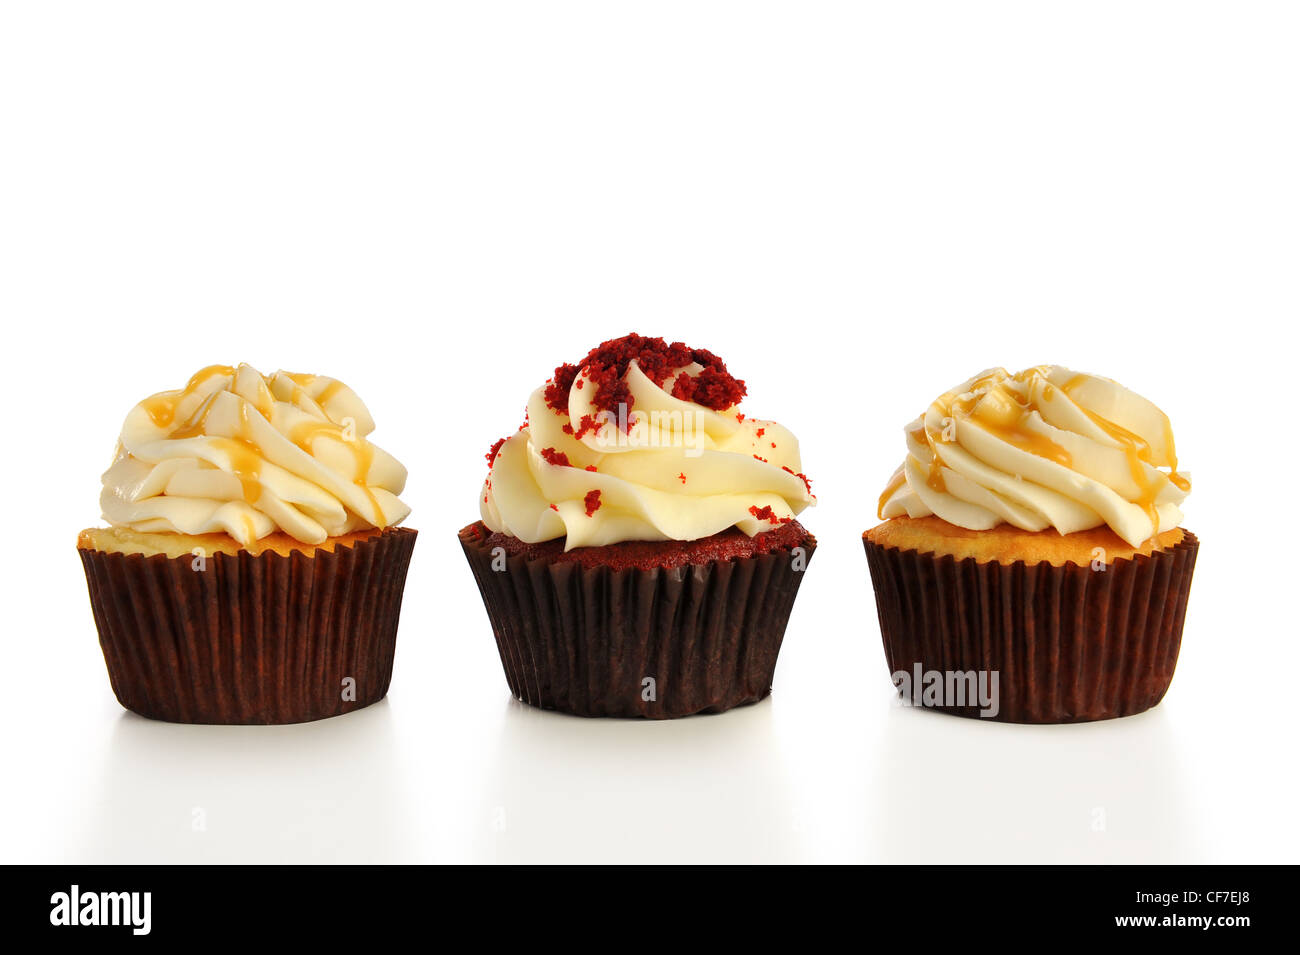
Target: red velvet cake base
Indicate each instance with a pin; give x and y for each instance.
(584, 632)
(643, 555)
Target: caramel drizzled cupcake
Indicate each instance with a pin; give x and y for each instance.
(252, 570)
(638, 552)
(1032, 539)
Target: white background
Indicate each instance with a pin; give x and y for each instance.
(856, 205)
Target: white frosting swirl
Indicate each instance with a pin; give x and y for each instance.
(676, 470)
(1044, 448)
(238, 452)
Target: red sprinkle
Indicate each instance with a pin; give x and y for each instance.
(592, 501)
(558, 458)
(760, 432)
(801, 476)
(766, 514)
(492, 452)
(590, 467)
(554, 508)
(682, 477)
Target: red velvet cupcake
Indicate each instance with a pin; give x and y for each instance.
(638, 552)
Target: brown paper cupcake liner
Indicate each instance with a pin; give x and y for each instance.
(1069, 644)
(584, 640)
(249, 638)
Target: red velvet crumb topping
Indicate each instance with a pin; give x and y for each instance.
(557, 389)
(558, 458)
(606, 365)
(801, 476)
(592, 502)
(766, 514)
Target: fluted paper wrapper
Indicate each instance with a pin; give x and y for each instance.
(263, 638)
(585, 640)
(1069, 643)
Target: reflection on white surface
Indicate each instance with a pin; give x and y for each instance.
(568, 789)
(949, 789)
(310, 792)
(888, 784)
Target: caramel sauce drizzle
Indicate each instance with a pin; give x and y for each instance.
(1003, 411)
(161, 408)
(243, 453)
(1036, 444)
(897, 481)
(265, 401)
(1178, 480)
(303, 382)
(305, 432)
(245, 457)
(245, 464)
(328, 392)
(1138, 451)
(363, 452)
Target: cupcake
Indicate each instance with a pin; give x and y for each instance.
(638, 552)
(251, 570)
(1031, 567)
